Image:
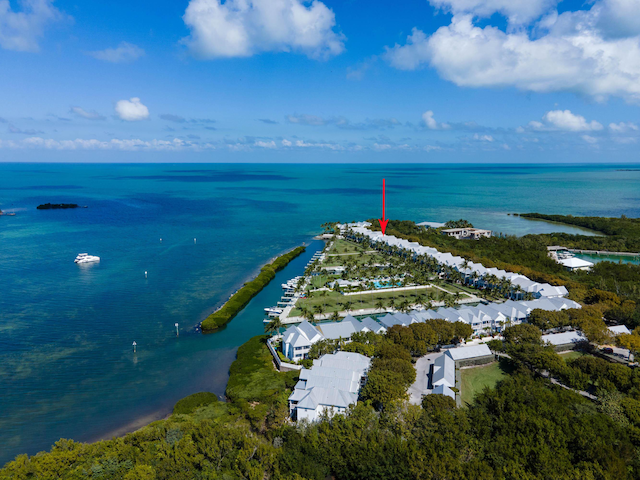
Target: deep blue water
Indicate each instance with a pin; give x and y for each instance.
(66, 362)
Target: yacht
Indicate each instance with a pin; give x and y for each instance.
(86, 258)
(273, 310)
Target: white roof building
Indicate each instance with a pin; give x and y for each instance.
(618, 329)
(337, 330)
(537, 289)
(297, 340)
(444, 371)
(574, 263)
(330, 386)
(444, 390)
(468, 353)
(564, 338)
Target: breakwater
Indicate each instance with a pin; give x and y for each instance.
(238, 300)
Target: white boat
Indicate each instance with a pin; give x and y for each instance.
(86, 258)
(273, 310)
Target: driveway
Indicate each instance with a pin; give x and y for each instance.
(419, 388)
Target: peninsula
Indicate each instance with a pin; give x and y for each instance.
(491, 349)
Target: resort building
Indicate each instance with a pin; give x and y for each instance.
(329, 386)
(297, 340)
(474, 273)
(572, 264)
(565, 340)
(467, 233)
(443, 372)
(473, 355)
(618, 329)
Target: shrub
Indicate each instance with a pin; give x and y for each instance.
(192, 402)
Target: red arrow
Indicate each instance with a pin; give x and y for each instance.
(383, 222)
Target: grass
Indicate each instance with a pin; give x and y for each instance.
(571, 355)
(334, 301)
(345, 246)
(474, 380)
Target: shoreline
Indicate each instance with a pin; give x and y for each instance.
(164, 413)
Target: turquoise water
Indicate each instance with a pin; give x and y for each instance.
(609, 258)
(66, 363)
(378, 284)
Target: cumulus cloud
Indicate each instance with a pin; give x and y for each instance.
(589, 139)
(242, 28)
(89, 115)
(565, 120)
(623, 127)
(573, 51)
(124, 53)
(132, 110)
(268, 121)
(517, 11)
(21, 30)
(430, 122)
(286, 143)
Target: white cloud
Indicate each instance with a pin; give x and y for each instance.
(21, 30)
(262, 144)
(241, 28)
(589, 139)
(619, 18)
(430, 122)
(123, 53)
(622, 127)
(565, 120)
(114, 144)
(286, 143)
(89, 115)
(517, 11)
(132, 110)
(567, 52)
(483, 138)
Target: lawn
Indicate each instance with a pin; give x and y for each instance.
(333, 301)
(345, 246)
(474, 380)
(571, 355)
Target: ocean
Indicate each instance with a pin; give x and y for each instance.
(67, 367)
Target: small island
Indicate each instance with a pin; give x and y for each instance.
(53, 206)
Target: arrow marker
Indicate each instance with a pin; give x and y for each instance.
(383, 222)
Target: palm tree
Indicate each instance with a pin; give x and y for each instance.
(449, 301)
(380, 305)
(335, 316)
(274, 326)
(318, 310)
(392, 303)
(404, 306)
(347, 306)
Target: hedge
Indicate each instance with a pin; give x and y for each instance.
(250, 289)
(189, 404)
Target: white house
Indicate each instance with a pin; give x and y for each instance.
(330, 386)
(467, 233)
(444, 372)
(573, 264)
(297, 340)
(618, 329)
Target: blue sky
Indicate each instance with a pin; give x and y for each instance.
(347, 81)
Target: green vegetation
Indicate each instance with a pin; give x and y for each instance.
(192, 402)
(622, 234)
(250, 289)
(475, 380)
(458, 224)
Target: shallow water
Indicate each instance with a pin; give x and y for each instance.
(66, 363)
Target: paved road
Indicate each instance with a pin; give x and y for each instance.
(419, 388)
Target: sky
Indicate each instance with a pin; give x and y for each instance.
(438, 81)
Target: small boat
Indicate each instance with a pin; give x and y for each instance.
(273, 310)
(86, 258)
